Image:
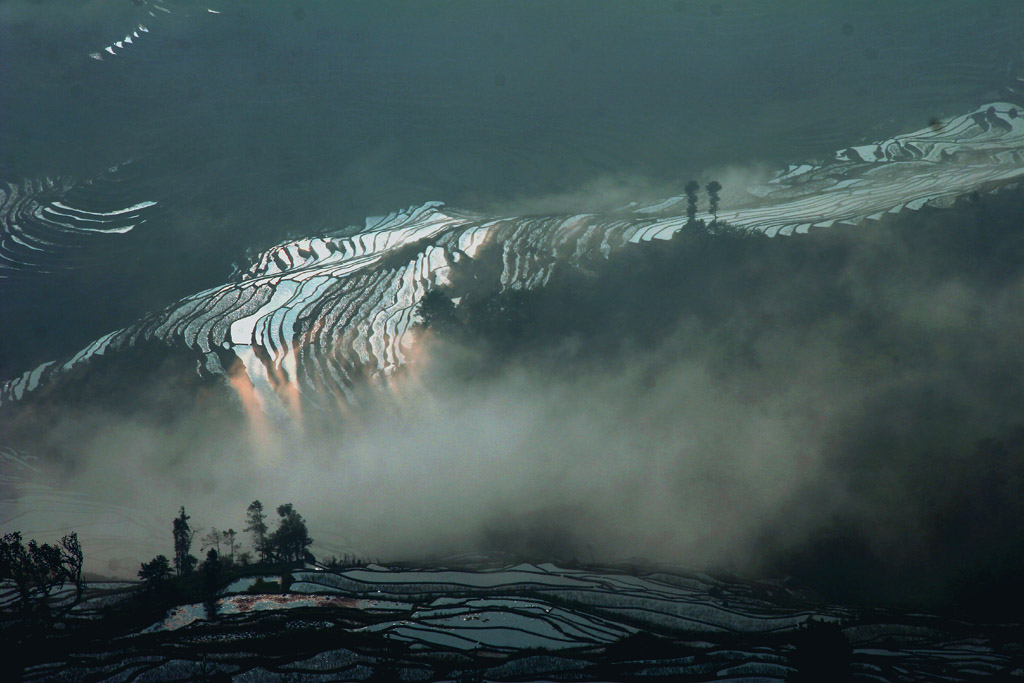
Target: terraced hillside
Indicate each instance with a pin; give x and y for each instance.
(471, 621)
(314, 318)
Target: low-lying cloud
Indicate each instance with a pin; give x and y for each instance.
(827, 392)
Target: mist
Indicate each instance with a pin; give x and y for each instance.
(605, 465)
(839, 410)
(829, 407)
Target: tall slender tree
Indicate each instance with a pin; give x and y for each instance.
(211, 582)
(256, 524)
(691, 190)
(184, 561)
(713, 188)
(230, 541)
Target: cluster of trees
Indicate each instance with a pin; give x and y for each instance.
(36, 569)
(503, 316)
(289, 542)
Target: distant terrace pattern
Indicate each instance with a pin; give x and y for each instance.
(157, 10)
(44, 222)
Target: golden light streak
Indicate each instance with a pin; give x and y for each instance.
(261, 434)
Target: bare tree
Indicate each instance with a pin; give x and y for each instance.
(213, 539)
(230, 540)
(256, 524)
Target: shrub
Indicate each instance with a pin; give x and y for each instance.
(263, 586)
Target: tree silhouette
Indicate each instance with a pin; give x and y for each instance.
(16, 565)
(256, 524)
(291, 538)
(36, 569)
(45, 567)
(211, 581)
(184, 561)
(436, 310)
(713, 188)
(72, 560)
(212, 539)
(156, 571)
(691, 189)
(230, 541)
